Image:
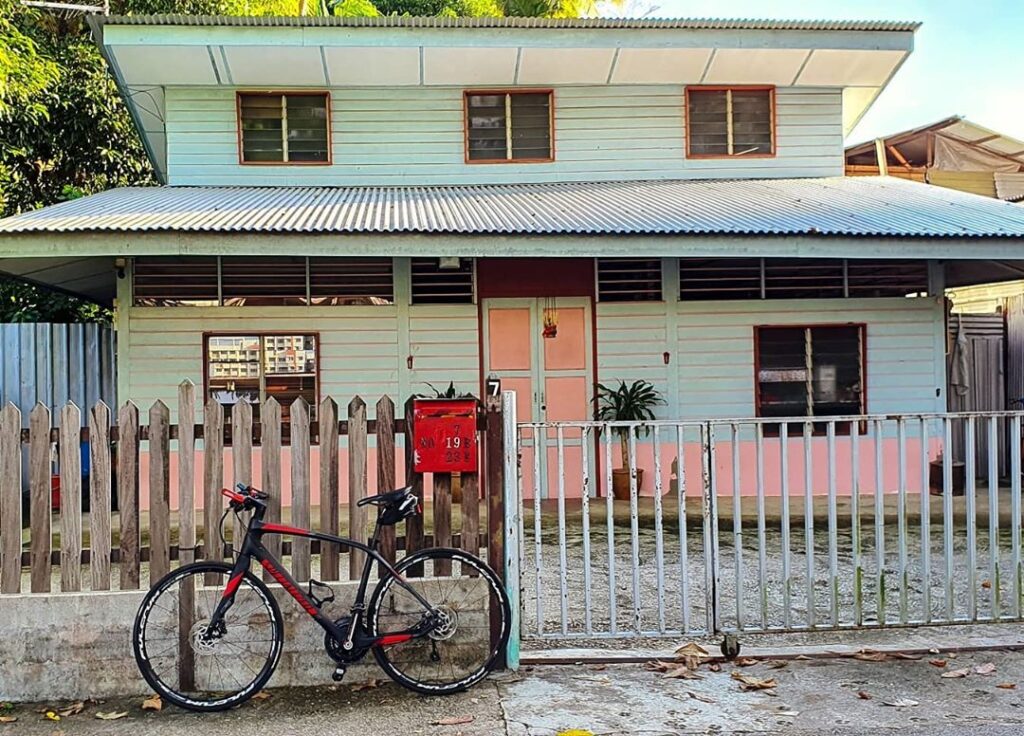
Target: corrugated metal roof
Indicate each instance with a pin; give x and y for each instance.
(854, 206)
(398, 21)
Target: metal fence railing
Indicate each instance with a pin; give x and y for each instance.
(768, 525)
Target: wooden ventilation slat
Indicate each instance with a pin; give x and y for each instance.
(433, 285)
(702, 279)
(872, 278)
(803, 278)
(263, 281)
(629, 279)
(336, 281)
(169, 282)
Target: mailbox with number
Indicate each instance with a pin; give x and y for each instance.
(444, 435)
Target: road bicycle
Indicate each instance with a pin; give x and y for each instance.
(209, 635)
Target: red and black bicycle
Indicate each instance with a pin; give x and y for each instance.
(208, 636)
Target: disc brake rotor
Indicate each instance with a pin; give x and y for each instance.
(447, 624)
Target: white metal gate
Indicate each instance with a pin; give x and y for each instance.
(767, 525)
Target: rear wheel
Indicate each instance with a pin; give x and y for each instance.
(199, 672)
(474, 629)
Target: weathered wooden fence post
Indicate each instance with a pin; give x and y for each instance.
(128, 493)
(241, 458)
(159, 491)
(386, 468)
(10, 499)
(270, 421)
(70, 450)
(99, 496)
(414, 524)
(39, 497)
(356, 482)
(213, 480)
(186, 472)
(300, 486)
(442, 495)
(328, 426)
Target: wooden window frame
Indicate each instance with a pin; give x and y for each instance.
(772, 99)
(466, 94)
(326, 94)
(862, 327)
(206, 335)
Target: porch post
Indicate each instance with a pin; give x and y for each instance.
(513, 509)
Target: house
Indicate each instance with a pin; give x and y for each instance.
(954, 153)
(363, 206)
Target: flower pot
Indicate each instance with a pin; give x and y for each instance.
(620, 482)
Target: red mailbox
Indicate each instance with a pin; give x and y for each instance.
(444, 435)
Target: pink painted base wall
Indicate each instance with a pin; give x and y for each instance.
(723, 470)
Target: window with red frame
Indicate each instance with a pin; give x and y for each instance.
(730, 123)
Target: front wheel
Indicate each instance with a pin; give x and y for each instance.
(182, 662)
(475, 622)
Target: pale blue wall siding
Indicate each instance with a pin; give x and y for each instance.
(713, 350)
(393, 136)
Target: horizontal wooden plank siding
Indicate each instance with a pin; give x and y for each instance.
(415, 136)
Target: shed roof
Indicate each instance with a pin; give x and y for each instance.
(840, 206)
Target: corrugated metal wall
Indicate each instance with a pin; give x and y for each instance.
(57, 363)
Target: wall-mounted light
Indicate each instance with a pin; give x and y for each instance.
(120, 264)
(449, 263)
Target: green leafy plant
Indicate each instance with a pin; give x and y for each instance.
(448, 393)
(632, 402)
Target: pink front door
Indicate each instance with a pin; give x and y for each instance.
(552, 377)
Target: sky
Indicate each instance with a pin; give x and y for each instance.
(968, 56)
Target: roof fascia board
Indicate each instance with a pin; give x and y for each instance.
(114, 35)
(62, 245)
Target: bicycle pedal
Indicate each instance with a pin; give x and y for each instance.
(317, 600)
(338, 674)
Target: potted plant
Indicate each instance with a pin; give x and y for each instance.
(634, 402)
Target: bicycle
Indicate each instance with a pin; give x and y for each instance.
(208, 636)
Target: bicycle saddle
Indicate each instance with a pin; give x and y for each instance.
(386, 499)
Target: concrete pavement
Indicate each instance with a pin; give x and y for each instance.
(821, 696)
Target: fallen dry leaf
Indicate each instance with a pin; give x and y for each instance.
(8, 719)
(72, 710)
(777, 664)
(599, 667)
(153, 703)
(864, 695)
(368, 685)
(900, 703)
(1007, 686)
(261, 695)
(691, 654)
(905, 656)
(745, 661)
(682, 673)
(986, 584)
(453, 721)
(51, 716)
(698, 696)
(954, 674)
(656, 665)
(937, 662)
(111, 715)
(987, 668)
(866, 655)
(749, 682)
(715, 667)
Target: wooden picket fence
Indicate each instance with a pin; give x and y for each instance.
(199, 539)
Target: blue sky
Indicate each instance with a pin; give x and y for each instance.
(968, 56)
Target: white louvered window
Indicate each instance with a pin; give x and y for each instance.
(443, 281)
(705, 279)
(506, 127)
(288, 128)
(629, 279)
(733, 122)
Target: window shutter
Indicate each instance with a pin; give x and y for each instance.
(486, 127)
(288, 128)
(629, 279)
(262, 119)
(174, 282)
(508, 126)
(434, 285)
(732, 122)
(266, 281)
(337, 281)
(707, 123)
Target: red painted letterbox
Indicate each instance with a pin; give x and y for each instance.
(444, 435)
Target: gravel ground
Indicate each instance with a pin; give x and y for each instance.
(641, 603)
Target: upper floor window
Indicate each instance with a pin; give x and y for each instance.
(503, 127)
(730, 122)
(284, 128)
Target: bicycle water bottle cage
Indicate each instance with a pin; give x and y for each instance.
(322, 587)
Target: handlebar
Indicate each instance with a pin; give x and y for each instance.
(245, 497)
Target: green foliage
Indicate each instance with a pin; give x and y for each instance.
(356, 9)
(25, 74)
(21, 302)
(626, 403)
(448, 393)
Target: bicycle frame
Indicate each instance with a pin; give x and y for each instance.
(354, 639)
